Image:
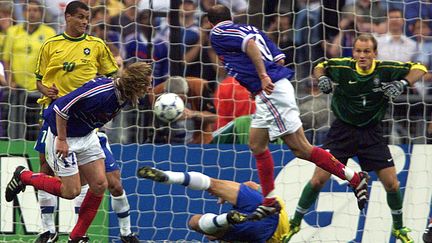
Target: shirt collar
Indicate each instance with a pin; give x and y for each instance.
(226, 22)
(366, 72)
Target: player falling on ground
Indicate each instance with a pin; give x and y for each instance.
(233, 226)
(255, 61)
(65, 63)
(73, 148)
(362, 87)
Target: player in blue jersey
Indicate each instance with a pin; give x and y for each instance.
(233, 226)
(256, 62)
(72, 146)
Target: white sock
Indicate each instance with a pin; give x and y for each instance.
(349, 174)
(211, 223)
(193, 180)
(78, 200)
(120, 205)
(48, 205)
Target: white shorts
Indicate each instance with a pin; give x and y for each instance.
(82, 150)
(277, 112)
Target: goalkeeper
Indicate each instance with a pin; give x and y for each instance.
(362, 87)
(234, 225)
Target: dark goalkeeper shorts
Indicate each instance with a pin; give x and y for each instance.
(367, 143)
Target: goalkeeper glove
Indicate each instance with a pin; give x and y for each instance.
(325, 84)
(394, 89)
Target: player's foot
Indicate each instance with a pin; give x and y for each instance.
(82, 239)
(15, 185)
(131, 238)
(47, 237)
(292, 230)
(151, 173)
(427, 235)
(402, 234)
(270, 206)
(235, 217)
(361, 191)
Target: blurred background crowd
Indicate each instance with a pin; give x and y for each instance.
(174, 37)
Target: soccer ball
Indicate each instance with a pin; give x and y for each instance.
(169, 107)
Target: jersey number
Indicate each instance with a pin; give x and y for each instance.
(262, 46)
(68, 66)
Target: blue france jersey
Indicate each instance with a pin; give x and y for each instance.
(86, 108)
(229, 41)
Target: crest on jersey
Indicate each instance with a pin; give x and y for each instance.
(87, 51)
(376, 82)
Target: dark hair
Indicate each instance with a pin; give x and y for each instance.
(395, 10)
(72, 7)
(367, 37)
(218, 13)
(35, 2)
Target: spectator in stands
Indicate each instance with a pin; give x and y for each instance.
(201, 60)
(422, 33)
(189, 35)
(280, 32)
(199, 116)
(350, 26)
(99, 14)
(125, 22)
(137, 44)
(395, 45)
(231, 101)
(21, 49)
(415, 9)
(5, 22)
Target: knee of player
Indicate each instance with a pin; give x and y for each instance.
(194, 222)
(71, 192)
(317, 182)
(115, 188)
(257, 148)
(99, 186)
(392, 186)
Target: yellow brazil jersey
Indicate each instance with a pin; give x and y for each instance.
(21, 50)
(283, 225)
(70, 62)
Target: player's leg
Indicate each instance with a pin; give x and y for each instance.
(47, 201)
(192, 180)
(94, 172)
(258, 144)
(308, 197)
(325, 160)
(119, 201)
(394, 200)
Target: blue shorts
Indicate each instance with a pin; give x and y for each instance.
(247, 201)
(110, 162)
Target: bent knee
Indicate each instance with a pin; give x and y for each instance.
(317, 183)
(71, 193)
(115, 189)
(194, 222)
(99, 186)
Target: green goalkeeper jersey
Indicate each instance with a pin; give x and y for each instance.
(358, 98)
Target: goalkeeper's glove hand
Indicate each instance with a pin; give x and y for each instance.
(394, 89)
(325, 84)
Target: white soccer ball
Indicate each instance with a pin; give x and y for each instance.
(169, 107)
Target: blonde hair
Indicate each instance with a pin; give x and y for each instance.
(134, 81)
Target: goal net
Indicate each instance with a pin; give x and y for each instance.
(173, 36)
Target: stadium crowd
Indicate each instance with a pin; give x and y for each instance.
(305, 31)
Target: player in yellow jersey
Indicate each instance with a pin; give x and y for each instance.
(65, 63)
(233, 226)
(21, 48)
